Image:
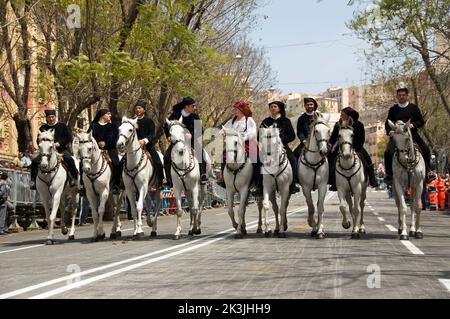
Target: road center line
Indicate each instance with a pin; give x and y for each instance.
(412, 248)
(22, 248)
(446, 283)
(391, 228)
(381, 219)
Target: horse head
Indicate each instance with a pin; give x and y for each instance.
(320, 133)
(271, 145)
(87, 148)
(127, 133)
(402, 139)
(345, 137)
(46, 147)
(234, 144)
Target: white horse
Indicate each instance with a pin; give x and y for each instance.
(277, 177)
(138, 174)
(97, 178)
(52, 185)
(351, 181)
(186, 177)
(409, 170)
(238, 175)
(313, 172)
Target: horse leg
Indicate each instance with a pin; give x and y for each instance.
(177, 234)
(355, 213)
(101, 211)
(260, 208)
(400, 201)
(230, 200)
(143, 192)
(46, 204)
(343, 208)
(93, 202)
(54, 210)
(241, 212)
(362, 203)
(417, 196)
(266, 205)
(283, 208)
(155, 214)
(321, 192)
(131, 194)
(309, 201)
(196, 210)
(62, 209)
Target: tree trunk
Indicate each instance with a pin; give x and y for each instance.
(24, 138)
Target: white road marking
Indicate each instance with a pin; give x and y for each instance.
(217, 214)
(446, 283)
(381, 219)
(412, 248)
(375, 213)
(144, 263)
(77, 275)
(391, 228)
(22, 248)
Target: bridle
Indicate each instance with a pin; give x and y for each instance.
(94, 176)
(238, 169)
(48, 156)
(355, 160)
(128, 139)
(282, 160)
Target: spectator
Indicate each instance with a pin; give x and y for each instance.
(4, 202)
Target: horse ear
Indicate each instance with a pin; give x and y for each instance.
(180, 119)
(391, 125)
(406, 126)
(52, 131)
(340, 122)
(124, 118)
(350, 121)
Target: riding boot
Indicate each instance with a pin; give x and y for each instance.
(332, 171)
(33, 173)
(293, 187)
(388, 168)
(203, 177)
(257, 180)
(167, 168)
(222, 182)
(371, 173)
(82, 190)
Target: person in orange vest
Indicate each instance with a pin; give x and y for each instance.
(431, 190)
(441, 192)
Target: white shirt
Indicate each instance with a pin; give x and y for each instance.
(184, 113)
(250, 133)
(403, 105)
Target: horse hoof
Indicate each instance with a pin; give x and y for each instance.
(238, 236)
(118, 234)
(404, 237)
(412, 233)
(243, 230)
(355, 236)
(190, 233)
(64, 230)
(282, 235)
(197, 232)
(362, 231)
(268, 234)
(276, 232)
(235, 226)
(176, 237)
(113, 236)
(72, 237)
(49, 242)
(94, 239)
(346, 226)
(101, 237)
(419, 235)
(153, 234)
(259, 231)
(138, 236)
(313, 233)
(285, 228)
(320, 236)
(399, 231)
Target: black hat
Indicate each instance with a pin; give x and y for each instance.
(177, 108)
(49, 112)
(351, 112)
(187, 101)
(309, 100)
(141, 103)
(282, 107)
(403, 90)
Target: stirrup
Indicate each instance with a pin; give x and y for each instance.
(203, 179)
(32, 185)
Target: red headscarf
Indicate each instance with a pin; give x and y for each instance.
(244, 108)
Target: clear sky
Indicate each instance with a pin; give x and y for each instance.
(333, 58)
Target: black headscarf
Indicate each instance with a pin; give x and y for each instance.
(351, 112)
(282, 107)
(98, 116)
(309, 100)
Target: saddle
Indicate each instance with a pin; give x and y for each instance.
(150, 158)
(63, 164)
(108, 159)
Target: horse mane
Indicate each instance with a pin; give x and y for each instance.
(133, 122)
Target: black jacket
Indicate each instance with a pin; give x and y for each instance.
(412, 111)
(146, 129)
(63, 135)
(188, 121)
(303, 124)
(284, 125)
(108, 133)
(359, 135)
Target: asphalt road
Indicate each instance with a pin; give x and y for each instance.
(215, 265)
